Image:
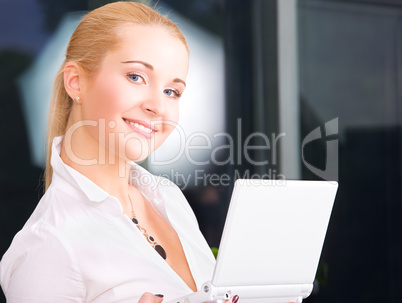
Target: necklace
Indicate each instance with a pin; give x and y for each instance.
(149, 238)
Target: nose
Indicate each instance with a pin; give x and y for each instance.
(154, 103)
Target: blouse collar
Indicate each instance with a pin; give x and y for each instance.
(143, 180)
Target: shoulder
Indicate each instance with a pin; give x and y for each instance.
(52, 210)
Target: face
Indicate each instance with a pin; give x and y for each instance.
(135, 95)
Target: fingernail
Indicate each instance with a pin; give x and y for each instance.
(235, 299)
(159, 295)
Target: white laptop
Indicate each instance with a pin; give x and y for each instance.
(271, 243)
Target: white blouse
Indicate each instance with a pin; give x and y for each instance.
(78, 246)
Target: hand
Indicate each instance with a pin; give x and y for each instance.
(147, 297)
(233, 299)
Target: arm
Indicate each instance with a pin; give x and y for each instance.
(40, 267)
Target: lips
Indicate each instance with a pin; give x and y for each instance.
(141, 127)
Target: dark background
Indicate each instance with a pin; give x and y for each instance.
(349, 68)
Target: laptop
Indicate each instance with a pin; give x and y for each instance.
(271, 243)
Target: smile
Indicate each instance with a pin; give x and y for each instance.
(139, 127)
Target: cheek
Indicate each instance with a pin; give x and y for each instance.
(172, 118)
(170, 124)
(103, 101)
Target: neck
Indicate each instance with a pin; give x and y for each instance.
(103, 167)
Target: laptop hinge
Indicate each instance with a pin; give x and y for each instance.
(278, 293)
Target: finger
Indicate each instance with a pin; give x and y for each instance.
(147, 297)
(233, 299)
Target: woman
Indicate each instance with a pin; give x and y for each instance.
(106, 230)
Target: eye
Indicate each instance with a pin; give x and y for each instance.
(136, 78)
(172, 93)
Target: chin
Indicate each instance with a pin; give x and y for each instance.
(134, 150)
(136, 157)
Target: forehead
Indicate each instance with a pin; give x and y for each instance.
(153, 44)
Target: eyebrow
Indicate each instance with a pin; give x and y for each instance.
(177, 80)
(149, 66)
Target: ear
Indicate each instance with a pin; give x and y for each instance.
(72, 80)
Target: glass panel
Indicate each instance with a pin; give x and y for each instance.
(350, 69)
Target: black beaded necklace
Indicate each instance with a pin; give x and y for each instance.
(149, 238)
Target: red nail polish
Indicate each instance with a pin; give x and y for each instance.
(159, 295)
(235, 299)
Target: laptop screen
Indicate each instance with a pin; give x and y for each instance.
(274, 232)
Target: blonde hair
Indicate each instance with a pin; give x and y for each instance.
(96, 35)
